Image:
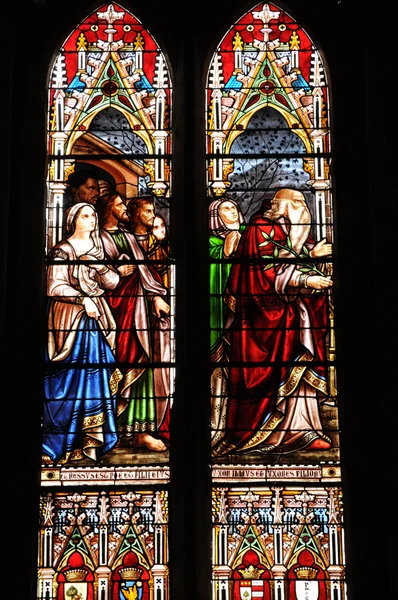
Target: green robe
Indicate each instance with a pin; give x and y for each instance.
(219, 273)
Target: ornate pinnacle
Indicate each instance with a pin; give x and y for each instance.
(81, 43)
(103, 513)
(76, 499)
(48, 511)
(110, 16)
(138, 42)
(278, 511)
(131, 498)
(266, 15)
(294, 42)
(159, 518)
(237, 42)
(250, 498)
(222, 511)
(333, 511)
(317, 75)
(304, 497)
(216, 75)
(160, 78)
(59, 72)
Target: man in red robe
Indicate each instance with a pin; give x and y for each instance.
(142, 215)
(141, 313)
(277, 329)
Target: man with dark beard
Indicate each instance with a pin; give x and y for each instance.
(139, 306)
(277, 330)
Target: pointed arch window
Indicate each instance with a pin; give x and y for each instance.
(110, 354)
(277, 496)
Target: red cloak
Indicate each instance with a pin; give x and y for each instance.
(267, 355)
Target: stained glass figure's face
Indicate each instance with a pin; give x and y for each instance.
(291, 204)
(87, 192)
(298, 199)
(119, 210)
(229, 214)
(85, 220)
(146, 215)
(159, 229)
(297, 212)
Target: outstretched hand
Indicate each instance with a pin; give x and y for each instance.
(317, 282)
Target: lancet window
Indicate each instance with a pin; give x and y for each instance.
(110, 351)
(278, 528)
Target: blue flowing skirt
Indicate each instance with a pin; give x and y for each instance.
(78, 395)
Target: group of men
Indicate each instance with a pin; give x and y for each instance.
(138, 216)
(140, 305)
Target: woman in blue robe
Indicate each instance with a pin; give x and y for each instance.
(79, 417)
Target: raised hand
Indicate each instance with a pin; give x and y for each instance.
(231, 242)
(322, 248)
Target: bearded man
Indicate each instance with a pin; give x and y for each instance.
(277, 330)
(141, 313)
(141, 212)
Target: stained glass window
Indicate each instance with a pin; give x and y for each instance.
(277, 519)
(109, 357)
(357, 69)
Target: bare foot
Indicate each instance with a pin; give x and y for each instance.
(148, 441)
(319, 444)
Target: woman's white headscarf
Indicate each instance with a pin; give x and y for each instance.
(83, 272)
(216, 224)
